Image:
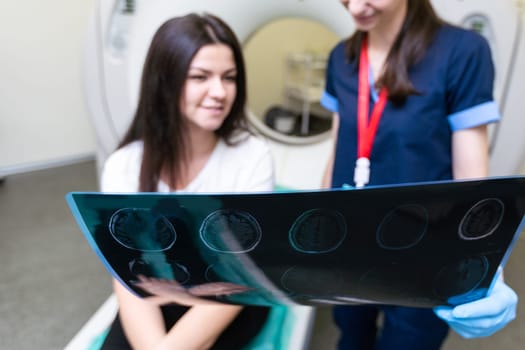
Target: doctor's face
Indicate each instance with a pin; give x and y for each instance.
(375, 14)
(210, 88)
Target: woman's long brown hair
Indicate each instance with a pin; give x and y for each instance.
(158, 120)
(417, 31)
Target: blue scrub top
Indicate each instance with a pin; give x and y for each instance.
(413, 140)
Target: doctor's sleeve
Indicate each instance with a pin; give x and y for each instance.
(470, 82)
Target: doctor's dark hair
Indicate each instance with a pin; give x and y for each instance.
(159, 120)
(417, 31)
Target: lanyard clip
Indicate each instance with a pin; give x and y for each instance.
(362, 172)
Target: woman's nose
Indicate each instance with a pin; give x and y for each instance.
(357, 7)
(217, 88)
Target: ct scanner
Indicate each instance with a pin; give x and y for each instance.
(120, 32)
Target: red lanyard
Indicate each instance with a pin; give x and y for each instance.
(366, 130)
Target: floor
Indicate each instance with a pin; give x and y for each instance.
(52, 283)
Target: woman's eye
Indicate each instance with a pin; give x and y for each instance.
(198, 77)
(232, 78)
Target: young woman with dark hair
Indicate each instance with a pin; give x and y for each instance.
(188, 135)
(429, 86)
(159, 120)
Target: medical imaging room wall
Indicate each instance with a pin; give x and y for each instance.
(43, 117)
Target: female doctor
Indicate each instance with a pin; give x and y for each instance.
(412, 97)
(188, 135)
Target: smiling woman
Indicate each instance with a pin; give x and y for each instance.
(188, 134)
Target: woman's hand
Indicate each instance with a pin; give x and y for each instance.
(484, 317)
(167, 292)
(170, 291)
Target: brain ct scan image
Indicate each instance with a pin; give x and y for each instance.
(460, 277)
(482, 219)
(403, 227)
(142, 229)
(318, 231)
(230, 231)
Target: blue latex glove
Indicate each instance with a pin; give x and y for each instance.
(483, 317)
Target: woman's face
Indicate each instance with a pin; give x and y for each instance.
(375, 14)
(210, 88)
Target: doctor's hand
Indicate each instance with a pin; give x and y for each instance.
(484, 317)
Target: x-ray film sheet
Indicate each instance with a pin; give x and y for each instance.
(415, 245)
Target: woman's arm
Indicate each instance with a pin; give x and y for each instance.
(200, 327)
(483, 317)
(141, 320)
(470, 153)
(143, 323)
(329, 169)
